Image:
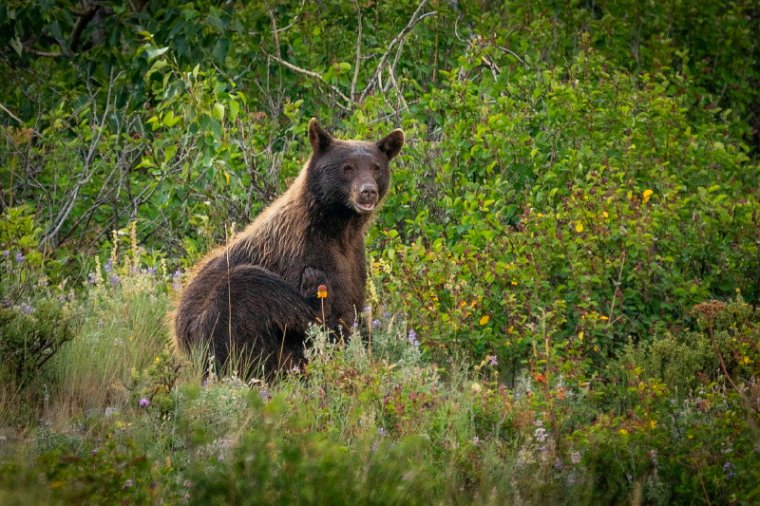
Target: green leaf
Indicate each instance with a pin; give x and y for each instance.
(218, 111)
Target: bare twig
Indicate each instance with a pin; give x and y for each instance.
(314, 75)
(9, 113)
(87, 173)
(413, 21)
(357, 60)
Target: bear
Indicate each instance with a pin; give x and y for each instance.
(255, 297)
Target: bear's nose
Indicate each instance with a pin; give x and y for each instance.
(368, 192)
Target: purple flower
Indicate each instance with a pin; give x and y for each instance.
(19, 258)
(151, 270)
(729, 469)
(144, 402)
(376, 324)
(6, 253)
(558, 465)
(108, 267)
(26, 308)
(177, 280)
(114, 279)
(492, 360)
(412, 338)
(92, 278)
(265, 395)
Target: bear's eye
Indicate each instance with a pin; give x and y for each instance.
(348, 169)
(375, 168)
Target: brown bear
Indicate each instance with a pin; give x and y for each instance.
(255, 297)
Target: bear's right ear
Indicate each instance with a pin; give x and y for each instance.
(320, 139)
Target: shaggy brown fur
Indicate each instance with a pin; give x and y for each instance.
(257, 295)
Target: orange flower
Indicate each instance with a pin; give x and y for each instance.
(322, 292)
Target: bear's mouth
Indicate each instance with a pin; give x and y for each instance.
(365, 207)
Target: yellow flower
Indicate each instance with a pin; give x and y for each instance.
(578, 227)
(605, 214)
(157, 360)
(646, 195)
(746, 360)
(476, 387)
(652, 424)
(581, 334)
(623, 432)
(321, 292)
(484, 319)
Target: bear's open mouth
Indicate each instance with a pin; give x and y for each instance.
(365, 207)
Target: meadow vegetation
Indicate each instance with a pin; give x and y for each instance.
(564, 279)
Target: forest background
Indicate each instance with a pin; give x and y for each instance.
(564, 278)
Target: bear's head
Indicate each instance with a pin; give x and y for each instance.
(349, 176)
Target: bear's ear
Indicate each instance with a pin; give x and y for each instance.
(320, 139)
(391, 143)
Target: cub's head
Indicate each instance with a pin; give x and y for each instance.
(349, 176)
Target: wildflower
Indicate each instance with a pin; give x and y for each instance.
(26, 308)
(578, 227)
(540, 435)
(729, 469)
(484, 320)
(623, 432)
(151, 271)
(108, 267)
(6, 253)
(92, 278)
(558, 464)
(412, 338)
(321, 292)
(265, 395)
(475, 440)
(144, 402)
(376, 324)
(653, 456)
(646, 195)
(114, 279)
(381, 431)
(492, 360)
(476, 387)
(128, 484)
(19, 258)
(177, 280)
(575, 458)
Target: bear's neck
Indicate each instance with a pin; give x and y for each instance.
(335, 223)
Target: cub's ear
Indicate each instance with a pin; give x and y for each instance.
(391, 143)
(320, 139)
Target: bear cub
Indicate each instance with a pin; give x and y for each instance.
(254, 298)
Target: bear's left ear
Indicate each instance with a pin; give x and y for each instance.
(320, 139)
(391, 143)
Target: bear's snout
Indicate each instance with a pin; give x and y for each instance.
(367, 198)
